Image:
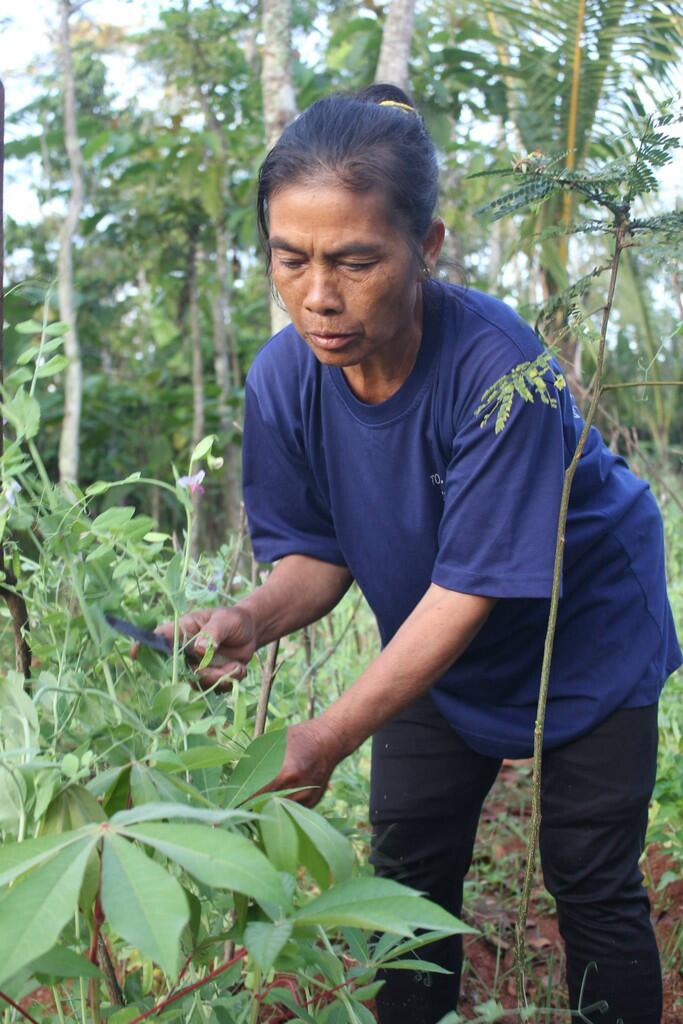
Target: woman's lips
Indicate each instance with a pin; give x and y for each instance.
(330, 341)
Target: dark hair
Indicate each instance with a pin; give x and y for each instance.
(363, 145)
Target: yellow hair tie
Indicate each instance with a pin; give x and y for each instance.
(401, 106)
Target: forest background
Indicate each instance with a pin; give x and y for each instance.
(133, 139)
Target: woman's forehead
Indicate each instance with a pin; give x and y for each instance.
(329, 209)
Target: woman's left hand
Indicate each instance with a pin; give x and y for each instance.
(313, 752)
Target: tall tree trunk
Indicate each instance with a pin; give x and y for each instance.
(73, 378)
(198, 426)
(397, 37)
(279, 103)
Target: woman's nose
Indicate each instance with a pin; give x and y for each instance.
(322, 293)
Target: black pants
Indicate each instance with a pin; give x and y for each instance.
(427, 792)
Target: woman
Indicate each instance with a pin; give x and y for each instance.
(364, 459)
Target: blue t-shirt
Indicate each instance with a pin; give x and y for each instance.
(412, 490)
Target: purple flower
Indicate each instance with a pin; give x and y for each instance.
(192, 483)
(10, 496)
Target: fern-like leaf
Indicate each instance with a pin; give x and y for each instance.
(530, 380)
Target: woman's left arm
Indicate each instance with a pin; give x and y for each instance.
(435, 634)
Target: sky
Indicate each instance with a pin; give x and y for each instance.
(27, 28)
(27, 31)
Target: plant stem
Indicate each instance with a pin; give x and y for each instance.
(238, 550)
(15, 1006)
(256, 1001)
(535, 823)
(76, 583)
(81, 981)
(58, 1003)
(643, 384)
(267, 677)
(42, 473)
(189, 988)
(183, 576)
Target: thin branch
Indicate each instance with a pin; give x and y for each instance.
(15, 1006)
(643, 384)
(535, 823)
(238, 548)
(116, 996)
(270, 670)
(327, 654)
(188, 988)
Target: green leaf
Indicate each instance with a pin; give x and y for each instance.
(143, 903)
(19, 724)
(159, 811)
(116, 797)
(16, 858)
(284, 997)
(61, 962)
(126, 1014)
(113, 519)
(259, 765)
(217, 858)
(265, 941)
(23, 412)
(279, 837)
(202, 448)
(101, 486)
(378, 904)
(19, 376)
(57, 329)
(414, 965)
(211, 189)
(52, 366)
(34, 911)
(43, 349)
(197, 758)
(28, 327)
(334, 848)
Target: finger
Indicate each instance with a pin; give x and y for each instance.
(218, 629)
(165, 629)
(219, 674)
(188, 626)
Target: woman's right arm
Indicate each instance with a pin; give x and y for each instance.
(298, 591)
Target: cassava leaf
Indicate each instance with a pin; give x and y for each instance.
(37, 907)
(377, 904)
(265, 941)
(279, 836)
(217, 858)
(16, 858)
(258, 765)
(334, 848)
(143, 903)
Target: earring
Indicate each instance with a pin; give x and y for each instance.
(425, 271)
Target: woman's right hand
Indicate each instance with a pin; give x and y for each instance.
(233, 633)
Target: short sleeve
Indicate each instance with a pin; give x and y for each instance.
(502, 498)
(285, 509)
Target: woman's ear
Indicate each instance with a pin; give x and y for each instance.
(432, 242)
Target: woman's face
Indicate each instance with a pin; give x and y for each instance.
(348, 277)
